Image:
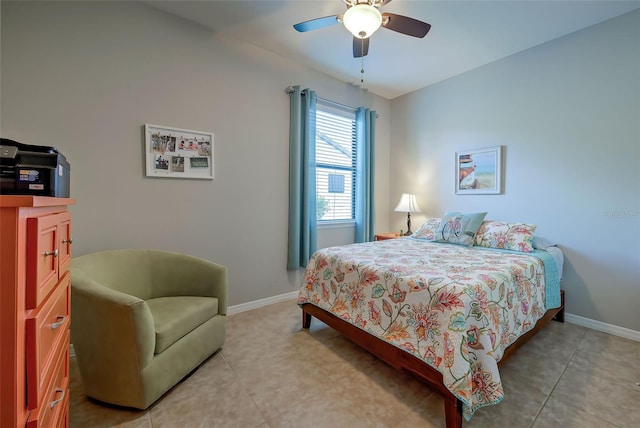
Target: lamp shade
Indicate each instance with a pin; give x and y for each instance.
(408, 204)
(362, 20)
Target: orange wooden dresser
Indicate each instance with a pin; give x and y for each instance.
(35, 307)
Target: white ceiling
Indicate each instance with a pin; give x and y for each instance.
(464, 34)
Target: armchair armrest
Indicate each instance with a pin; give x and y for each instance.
(112, 330)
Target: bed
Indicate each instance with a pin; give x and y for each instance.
(449, 314)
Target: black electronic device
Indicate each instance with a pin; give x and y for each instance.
(27, 169)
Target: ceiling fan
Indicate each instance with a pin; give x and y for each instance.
(362, 18)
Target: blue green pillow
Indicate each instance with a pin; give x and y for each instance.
(459, 228)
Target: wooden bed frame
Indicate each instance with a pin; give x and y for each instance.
(403, 361)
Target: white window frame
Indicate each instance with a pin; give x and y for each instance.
(333, 108)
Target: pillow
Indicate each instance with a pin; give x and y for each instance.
(540, 243)
(428, 229)
(509, 236)
(459, 228)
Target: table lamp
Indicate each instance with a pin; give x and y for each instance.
(409, 205)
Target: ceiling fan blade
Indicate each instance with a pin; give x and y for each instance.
(360, 47)
(405, 25)
(317, 23)
(384, 2)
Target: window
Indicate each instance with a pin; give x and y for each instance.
(335, 162)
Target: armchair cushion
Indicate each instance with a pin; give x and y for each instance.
(175, 317)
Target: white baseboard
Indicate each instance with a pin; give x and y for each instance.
(603, 326)
(235, 309)
(574, 319)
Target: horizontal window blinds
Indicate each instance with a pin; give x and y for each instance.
(335, 164)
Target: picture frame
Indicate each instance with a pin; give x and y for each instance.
(178, 153)
(479, 171)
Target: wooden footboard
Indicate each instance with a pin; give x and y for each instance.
(403, 361)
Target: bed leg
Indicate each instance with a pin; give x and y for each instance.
(560, 315)
(306, 319)
(453, 412)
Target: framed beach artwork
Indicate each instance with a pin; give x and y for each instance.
(479, 171)
(178, 153)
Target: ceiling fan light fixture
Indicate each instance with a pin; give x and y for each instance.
(362, 20)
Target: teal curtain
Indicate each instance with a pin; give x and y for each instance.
(366, 137)
(302, 177)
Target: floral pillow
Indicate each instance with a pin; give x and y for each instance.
(428, 229)
(508, 236)
(459, 228)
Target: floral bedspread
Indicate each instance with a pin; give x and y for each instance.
(455, 307)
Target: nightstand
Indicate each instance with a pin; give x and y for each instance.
(383, 236)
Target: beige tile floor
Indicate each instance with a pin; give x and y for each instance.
(271, 373)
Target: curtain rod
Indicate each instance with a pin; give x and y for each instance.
(290, 90)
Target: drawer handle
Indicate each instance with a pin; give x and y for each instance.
(55, 402)
(57, 324)
(53, 253)
(67, 241)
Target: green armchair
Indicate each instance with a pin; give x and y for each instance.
(142, 320)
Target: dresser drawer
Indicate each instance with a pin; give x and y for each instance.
(46, 337)
(56, 397)
(63, 417)
(44, 237)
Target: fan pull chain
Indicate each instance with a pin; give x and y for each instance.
(361, 60)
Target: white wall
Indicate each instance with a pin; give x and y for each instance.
(568, 114)
(86, 76)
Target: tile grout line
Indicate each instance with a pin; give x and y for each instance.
(237, 378)
(594, 415)
(571, 404)
(546, 400)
